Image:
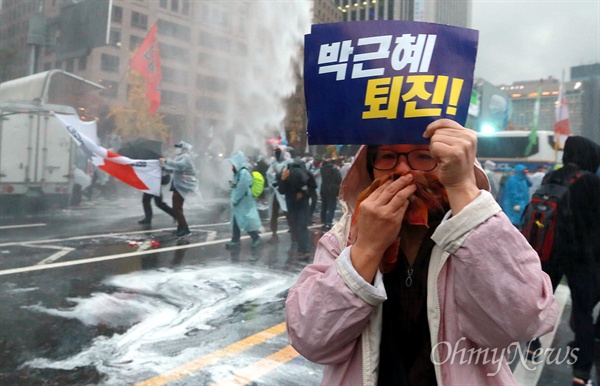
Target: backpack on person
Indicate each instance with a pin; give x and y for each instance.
(549, 205)
(297, 180)
(258, 185)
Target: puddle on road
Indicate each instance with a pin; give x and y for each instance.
(156, 307)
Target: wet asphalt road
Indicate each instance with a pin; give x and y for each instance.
(137, 303)
(90, 297)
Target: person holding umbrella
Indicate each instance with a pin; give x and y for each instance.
(144, 148)
(183, 182)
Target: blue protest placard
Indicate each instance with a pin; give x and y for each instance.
(383, 81)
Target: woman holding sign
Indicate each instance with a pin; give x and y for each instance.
(415, 284)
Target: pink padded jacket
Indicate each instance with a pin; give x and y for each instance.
(486, 293)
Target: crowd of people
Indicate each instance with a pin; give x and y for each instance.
(294, 188)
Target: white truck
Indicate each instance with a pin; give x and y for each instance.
(37, 155)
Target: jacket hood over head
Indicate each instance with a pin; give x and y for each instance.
(238, 160)
(183, 145)
(519, 168)
(358, 178)
(582, 152)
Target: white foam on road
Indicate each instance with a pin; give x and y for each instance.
(157, 307)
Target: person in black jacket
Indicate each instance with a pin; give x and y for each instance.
(331, 178)
(576, 249)
(295, 184)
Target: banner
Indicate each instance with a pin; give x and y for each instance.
(147, 62)
(384, 81)
(141, 174)
(561, 126)
(534, 124)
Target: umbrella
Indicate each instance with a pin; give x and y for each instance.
(142, 148)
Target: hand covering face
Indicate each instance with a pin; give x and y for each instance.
(430, 196)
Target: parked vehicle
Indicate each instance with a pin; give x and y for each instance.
(507, 148)
(37, 155)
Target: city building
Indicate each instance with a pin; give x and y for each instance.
(589, 76)
(456, 13)
(205, 47)
(524, 94)
(219, 60)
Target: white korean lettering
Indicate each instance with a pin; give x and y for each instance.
(382, 52)
(414, 51)
(339, 53)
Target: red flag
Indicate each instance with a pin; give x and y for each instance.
(147, 62)
(561, 125)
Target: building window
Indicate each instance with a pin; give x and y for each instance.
(163, 4)
(174, 53)
(206, 82)
(109, 63)
(139, 20)
(175, 5)
(58, 65)
(117, 14)
(208, 104)
(115, 38)
(175, 76)
(220, 43)
(82, 63)
(173, 98)
(70, 65)
(185, 7)
(173, 29)
(211, 62)
(134, 42)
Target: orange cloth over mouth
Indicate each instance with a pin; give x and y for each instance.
(430, 195)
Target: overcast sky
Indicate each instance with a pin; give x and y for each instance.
(532, 39)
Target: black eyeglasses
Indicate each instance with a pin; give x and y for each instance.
(420, 159)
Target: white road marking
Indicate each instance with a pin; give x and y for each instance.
(111, 257)
(56, 256)
(530, 374)
(61, 252)
(12, 243)
(22, 226)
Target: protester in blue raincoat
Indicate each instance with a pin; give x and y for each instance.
(516, 195)
(244, 214)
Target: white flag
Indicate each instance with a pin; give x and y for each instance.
(141, 174)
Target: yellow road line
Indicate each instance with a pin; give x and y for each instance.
(211, 358)
(259, 368)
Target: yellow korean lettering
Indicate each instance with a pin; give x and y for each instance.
(380, 94)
